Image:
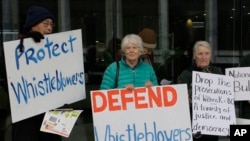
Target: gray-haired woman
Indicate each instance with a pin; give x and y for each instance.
(202, 54)
(133, 72)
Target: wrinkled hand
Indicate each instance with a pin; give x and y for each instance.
(130, 87)
(197, 135)
(36, 36)
(165, 82)
(190, 95)
(148, 84)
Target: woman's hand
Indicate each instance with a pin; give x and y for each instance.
(148, 84)
(130, 87)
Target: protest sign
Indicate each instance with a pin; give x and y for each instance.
(159, 113)
(241, 83)
(45, 75)
(212, 103)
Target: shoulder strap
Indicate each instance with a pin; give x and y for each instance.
(117, 73)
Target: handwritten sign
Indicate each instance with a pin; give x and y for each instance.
(241, 82)
(45, 75)
(213, 103)
(156, 113)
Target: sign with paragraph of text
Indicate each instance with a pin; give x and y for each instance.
(159, 113)
(44, 75)
(212, 103)
(241, 77)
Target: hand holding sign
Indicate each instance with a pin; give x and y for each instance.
(36, 36)
(119, 114)
(36, 76)
(213, 103)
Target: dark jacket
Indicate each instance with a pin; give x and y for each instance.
(186, 75)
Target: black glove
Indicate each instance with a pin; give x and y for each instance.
(36, 36)
(20, 46)
(65, 106)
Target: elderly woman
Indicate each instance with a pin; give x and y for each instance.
(132, 72)
(39, 22)
(202, 62)
(202, 54)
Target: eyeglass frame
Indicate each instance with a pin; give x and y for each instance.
(46, 24)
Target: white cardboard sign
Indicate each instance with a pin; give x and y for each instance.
(156, 113)
(212, 103)
(241, 77)
(45, 75)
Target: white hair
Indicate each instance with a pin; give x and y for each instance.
(133, 39)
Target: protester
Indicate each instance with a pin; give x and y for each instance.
(39, 22)
(132, 71)
(202, 55)
(149, 43)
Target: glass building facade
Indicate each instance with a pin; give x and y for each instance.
(178, 24)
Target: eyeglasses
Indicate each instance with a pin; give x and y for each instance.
(46, 24)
